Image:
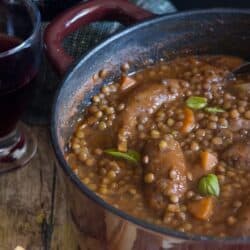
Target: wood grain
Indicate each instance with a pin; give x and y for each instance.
(63, 236)
(25, 200)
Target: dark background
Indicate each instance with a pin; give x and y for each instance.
(50, 7)
(196, 4)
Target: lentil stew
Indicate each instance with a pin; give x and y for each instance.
(169, 144)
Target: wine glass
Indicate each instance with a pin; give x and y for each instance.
(20, 53)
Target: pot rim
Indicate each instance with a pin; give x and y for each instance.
(83, 188)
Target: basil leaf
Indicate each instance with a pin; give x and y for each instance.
(214, 110)
(196, 102)
(130, 155)
(209, 185)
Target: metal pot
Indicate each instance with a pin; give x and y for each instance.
(215, 31)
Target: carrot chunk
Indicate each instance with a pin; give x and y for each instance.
(126, 82)
(189, 121)
(201, 209)
(208, 160)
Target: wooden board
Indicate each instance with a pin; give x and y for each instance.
(32, 205)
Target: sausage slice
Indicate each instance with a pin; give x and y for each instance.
(239, 154)
(142, 102)
(169, 170)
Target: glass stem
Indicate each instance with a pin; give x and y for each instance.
(8, 142)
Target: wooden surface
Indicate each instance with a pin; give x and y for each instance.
(33, 210)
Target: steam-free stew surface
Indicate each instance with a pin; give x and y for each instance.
(170, 145)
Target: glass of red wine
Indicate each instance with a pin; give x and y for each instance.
(20, 53)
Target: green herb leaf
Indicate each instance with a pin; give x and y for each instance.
(130, 155)
(196, 102)
(214, 110)
(209, 185)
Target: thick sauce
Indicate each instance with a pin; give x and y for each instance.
(170, 145)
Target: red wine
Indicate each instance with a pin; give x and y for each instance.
(19, 61)
(7, 111)
(16, 69)
(8, 42)
(16, 72)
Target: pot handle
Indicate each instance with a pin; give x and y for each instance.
(83, 14)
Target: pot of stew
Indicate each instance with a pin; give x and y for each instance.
(151, 129)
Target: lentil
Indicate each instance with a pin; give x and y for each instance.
(247, 115)
(231, 220)
(173, 174)
(234, 114)
(156, 185)
(163, 145)
(102, 125)
(149, 178)
(146, 159)
(155, 134)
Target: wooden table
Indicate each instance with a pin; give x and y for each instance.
(33, 211)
